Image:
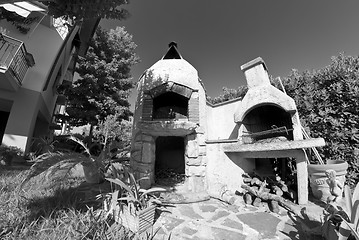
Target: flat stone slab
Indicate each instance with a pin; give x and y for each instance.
(222, 234)
(232, 224)
(207, 208)
(216, 220)
(189, 231)
(264, 223)
(220, 214)
(187, 210)
(169, 223)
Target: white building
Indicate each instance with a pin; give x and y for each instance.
(37, 54)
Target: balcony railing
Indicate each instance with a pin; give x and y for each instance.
(14, 57)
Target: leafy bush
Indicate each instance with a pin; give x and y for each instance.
(39, 212)
(114, 134)
(229, 94)
(129, 192)
(7, 153)
(328, 104)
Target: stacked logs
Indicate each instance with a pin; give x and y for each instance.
(267, 191)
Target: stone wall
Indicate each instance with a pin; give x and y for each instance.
(143, 158)
(196, 163)
(193, 108)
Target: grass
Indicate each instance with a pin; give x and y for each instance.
(50, 212)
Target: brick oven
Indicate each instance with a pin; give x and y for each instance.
(169, 123)
(210, 146)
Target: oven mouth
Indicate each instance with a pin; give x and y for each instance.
(170, 160)
(274, 134)
(267, 122)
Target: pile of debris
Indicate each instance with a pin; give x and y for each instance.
(273, 192)
(169, 177)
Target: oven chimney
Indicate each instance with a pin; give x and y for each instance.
(256, 73)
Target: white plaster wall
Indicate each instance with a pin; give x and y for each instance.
(264, 94)
(224, 172)
(202, 109)
(220, 121)
(22, 119)
(44, 45)
(6, 95)
(175, 70)
(49, 95)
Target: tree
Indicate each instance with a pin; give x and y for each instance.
(104, 84)
(114, 133)
(328, 103)
(81, 10)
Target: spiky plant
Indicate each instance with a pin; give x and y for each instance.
(345, 220)
(57, 165)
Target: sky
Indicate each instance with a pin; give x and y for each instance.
(217, 37)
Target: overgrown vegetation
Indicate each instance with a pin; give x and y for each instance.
(7, 153)
(40, 212)
(229, 94)
(328, 103)
(105, 80)
(114, 135)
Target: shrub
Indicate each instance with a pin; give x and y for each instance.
(328, 104)
(229, 94)
(7, 153)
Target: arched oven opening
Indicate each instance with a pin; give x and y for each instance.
(266, 123)
(170, 105)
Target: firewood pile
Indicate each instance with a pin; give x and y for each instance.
(274, 192)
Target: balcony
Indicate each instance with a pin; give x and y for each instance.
(14, 63)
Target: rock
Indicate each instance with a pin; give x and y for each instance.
(248, 198)
(273, 206)
(257, 202)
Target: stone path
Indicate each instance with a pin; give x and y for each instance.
(214, 219)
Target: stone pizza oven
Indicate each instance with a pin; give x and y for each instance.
(265, 111)
(175, 130)
(169, 123)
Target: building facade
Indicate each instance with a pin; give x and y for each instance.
(37, 54)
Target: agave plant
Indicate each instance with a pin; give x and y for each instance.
(131, 194)
(128, 204)
(57, 165)
(346, 222)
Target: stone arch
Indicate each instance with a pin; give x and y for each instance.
(171, 87)
(264, 117)
(170, 101)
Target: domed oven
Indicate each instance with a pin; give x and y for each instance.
(168, 131)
